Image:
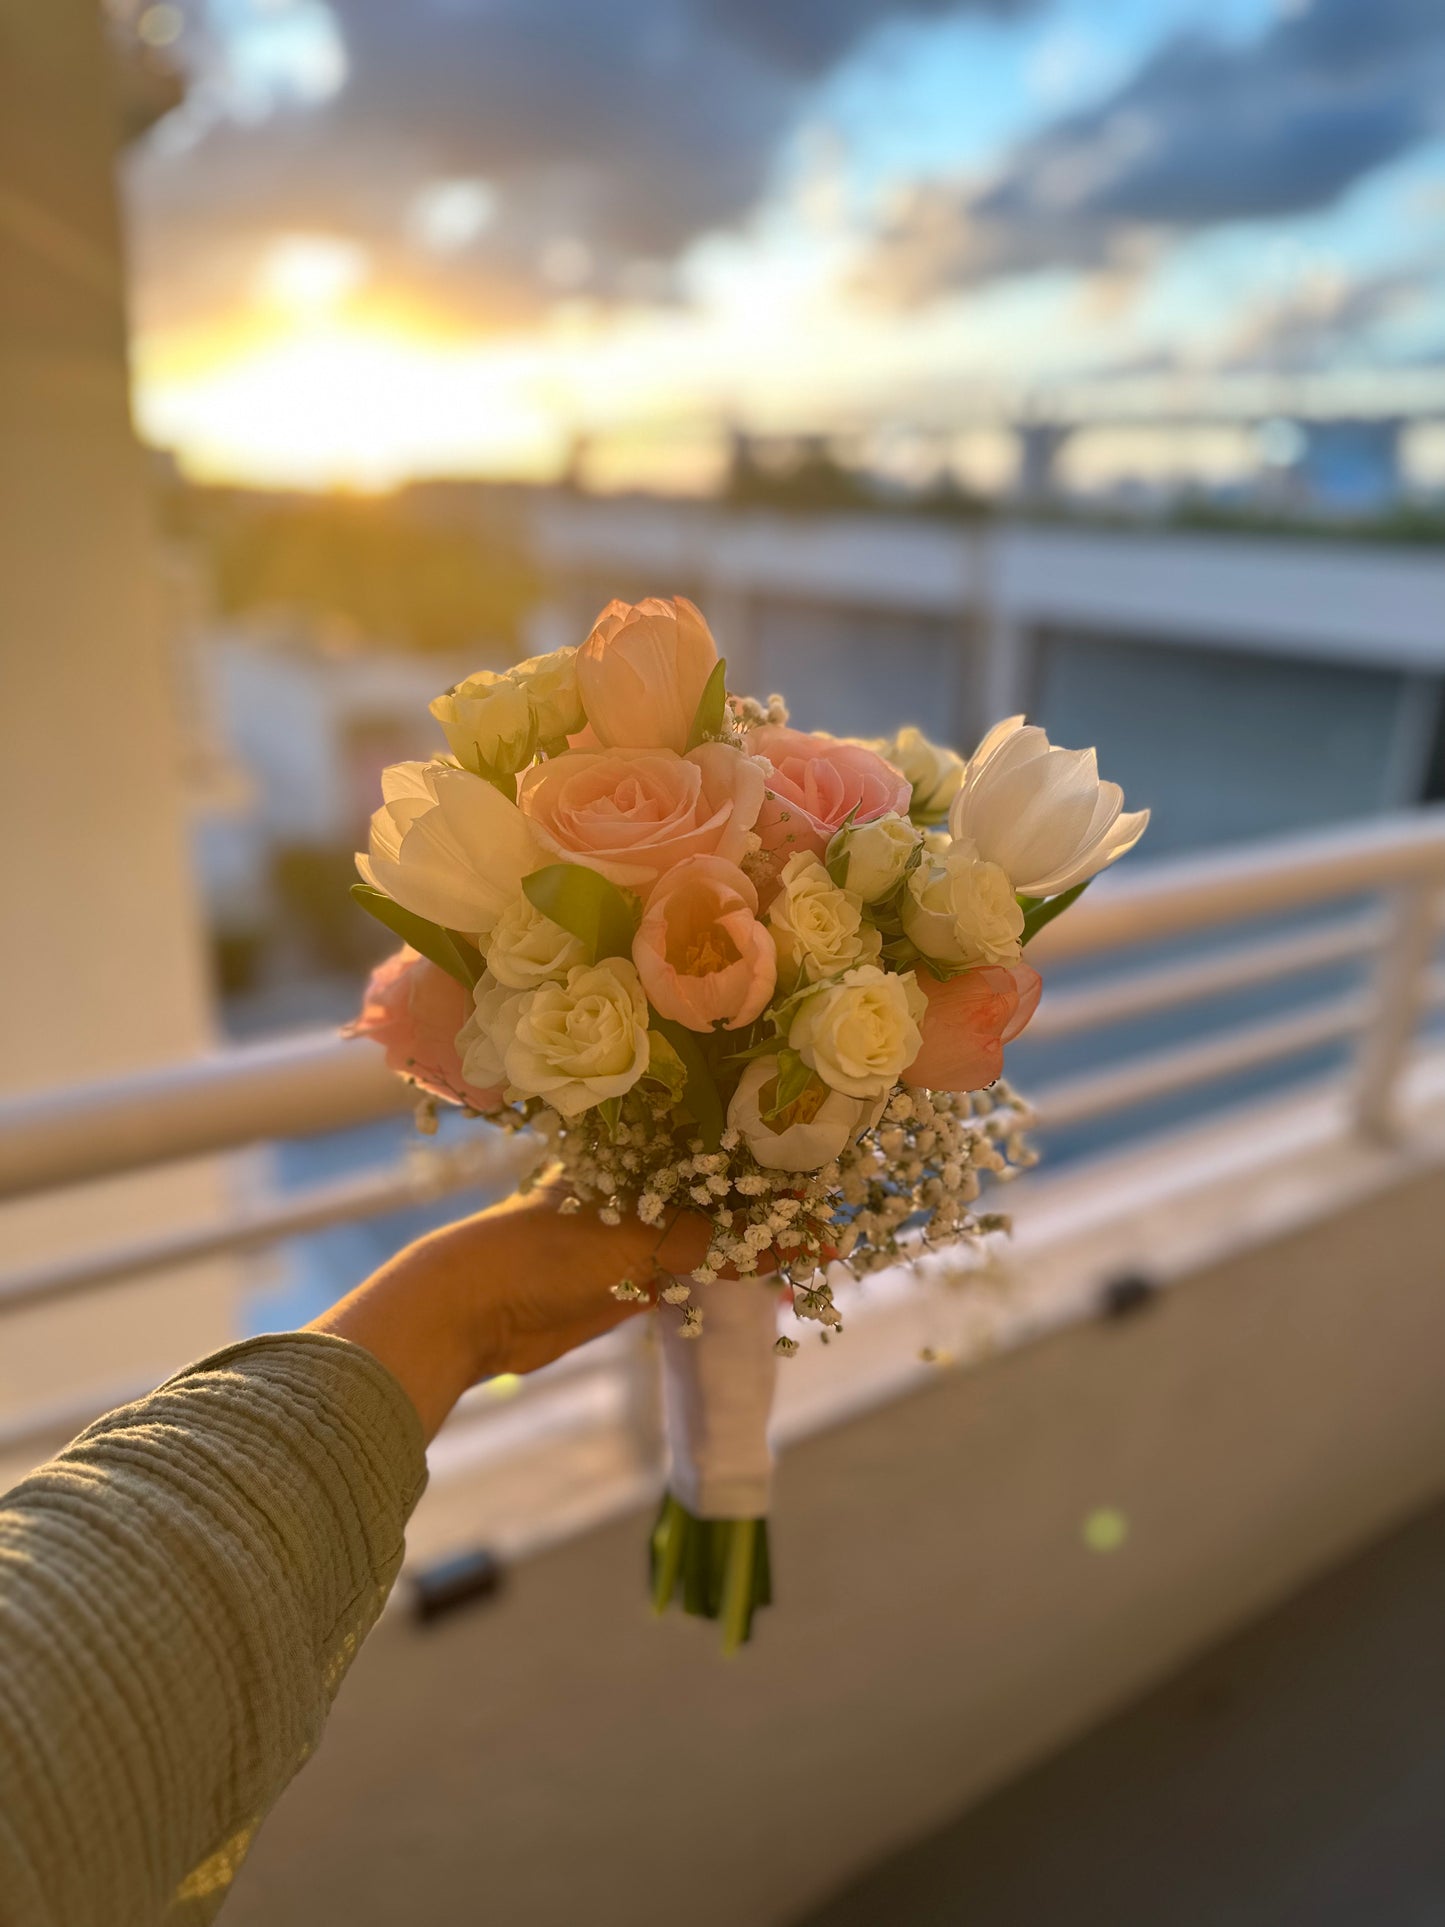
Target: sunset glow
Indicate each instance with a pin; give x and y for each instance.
(373, 244)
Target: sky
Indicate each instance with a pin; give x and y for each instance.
(390, 238)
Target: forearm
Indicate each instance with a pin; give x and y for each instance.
(180, 1594)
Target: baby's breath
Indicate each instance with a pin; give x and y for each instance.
(903, 1189)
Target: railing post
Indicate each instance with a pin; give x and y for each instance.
(1399, 991)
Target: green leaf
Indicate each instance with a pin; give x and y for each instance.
(602, 917)
(444, 947)
(610, 1111)
(499, 780)
(707, 719)
(699, 1092)
(901, 952)
(664, 1066)
(1041, 912)
(762, 1047)
(793, 1079)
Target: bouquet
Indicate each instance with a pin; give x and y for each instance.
(726, 966)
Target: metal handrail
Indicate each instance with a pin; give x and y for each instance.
(318, 1081)
(1172, 899)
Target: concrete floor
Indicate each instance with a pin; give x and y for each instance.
(1294, 1777)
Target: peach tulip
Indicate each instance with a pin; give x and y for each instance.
(703, 957)
(969, 1020)
(414, 1010)
(817, 784)
(642, 671)
(633, 814)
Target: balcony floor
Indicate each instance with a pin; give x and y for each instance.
(1293, 1777)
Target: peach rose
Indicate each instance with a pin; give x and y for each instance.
(414, 1010)
(817, 783)
(969, 1020)
(702, 955)
(642, 671)
(634, 814)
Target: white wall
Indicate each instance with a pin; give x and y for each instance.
(103, 960)
(559, 1756)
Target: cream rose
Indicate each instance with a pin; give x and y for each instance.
(813, 1130)
(550, 683)
(869, 859)
(632, 814)
(482, 1037)
(860, 1033)
(818, 928)
(935, 773)
(574, 1043)
(527, 948)
(963, 911)
(487, 722)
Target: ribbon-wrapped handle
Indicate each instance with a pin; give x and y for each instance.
(718, 1397)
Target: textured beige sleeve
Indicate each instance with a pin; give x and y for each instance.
(181, 1593)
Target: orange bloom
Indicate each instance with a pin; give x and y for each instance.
(970, 1018)
(700, 951)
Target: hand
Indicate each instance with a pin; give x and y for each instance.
(508, 1290)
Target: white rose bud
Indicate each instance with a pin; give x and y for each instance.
(550, 683)
(962, 911)
(1040, 812)
(809, 1134)
(487, 722)
(818, 928)
(869, 859)
(526, 948)
(934, 772)
(860, 1034)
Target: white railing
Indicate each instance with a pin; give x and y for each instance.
(318, 1082)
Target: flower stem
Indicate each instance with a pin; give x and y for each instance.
(721, 1568)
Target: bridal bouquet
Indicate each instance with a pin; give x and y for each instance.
(729, 967)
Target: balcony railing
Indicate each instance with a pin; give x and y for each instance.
(1394, 867)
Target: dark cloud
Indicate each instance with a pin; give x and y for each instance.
(1204, 132)
(807, 37)
(620, 131)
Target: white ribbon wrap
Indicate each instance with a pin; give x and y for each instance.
(717, 1394)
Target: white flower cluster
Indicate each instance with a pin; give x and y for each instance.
(894, 1194)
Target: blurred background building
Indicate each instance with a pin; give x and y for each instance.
(1076, 358)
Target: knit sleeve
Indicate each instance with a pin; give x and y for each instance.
(181, 1593)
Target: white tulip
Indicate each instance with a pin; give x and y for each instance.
(860, 1033)
(870, 858)
(1041, 813)
(808, 1135)
(448, 846)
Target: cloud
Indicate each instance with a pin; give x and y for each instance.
(604, 132)
(807, 37)
(1205, 132)
(1327, 315)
